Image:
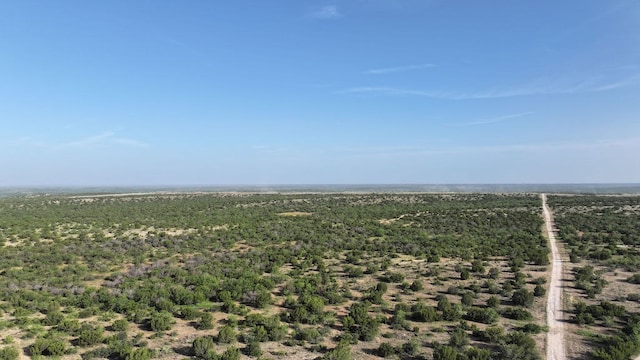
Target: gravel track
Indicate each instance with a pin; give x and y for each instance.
(555, 336)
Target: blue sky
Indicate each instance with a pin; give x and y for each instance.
(313, 92)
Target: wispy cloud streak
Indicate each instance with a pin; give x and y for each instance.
(269, 149)
(391, 91)
(327, 12)
(604, 144)
(90, 140)
(399, 69)
(497, 119)
(106, 138)
(130, 142)
(594, 84)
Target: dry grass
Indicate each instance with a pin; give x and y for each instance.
(296, 213)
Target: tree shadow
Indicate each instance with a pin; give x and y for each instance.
(183, 350)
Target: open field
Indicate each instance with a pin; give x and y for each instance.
(297, 276)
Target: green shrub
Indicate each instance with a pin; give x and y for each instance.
(494, 272)
(517, 313)
(47, 346)
(492, 334)
(120, 325)
(410, 347)
(474, 353)
(68, 326)
(9, 353)
(399, 320)
(477, 266)
(189, 312)
(584, 319)
(519, 346)
(102, 352)
(493, 301)
(202, 347)
(633, 297)
(424, 313)
(452, 313)
(416, 286)
(532, 328)
(616, 348)
(386, 350)
(260, 334)
(140, 354)
(395, 277)
(119, 347)
(53, 318)
(89, 335)
(459, 338)
(482, 315)
(308, 334)
(253, 349)
(444, 352)
(340, 352)
(232, 353)
(227, 335)
(161, 321)
(522, 297)
(205, 322)
(464, 274)
(467, 299)
(634, 279)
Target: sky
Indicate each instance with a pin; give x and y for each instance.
(153, 93)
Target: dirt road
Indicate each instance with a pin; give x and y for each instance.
(555, 336)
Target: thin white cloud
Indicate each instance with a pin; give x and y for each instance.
(327, 12)
(497, 119)
(130, 142)
(404, 151)
(268, 149)
(399, 69)
(593, 84)
(632, 142)
(106, 138)
(630, 81)
(90, 140)
(391, 91)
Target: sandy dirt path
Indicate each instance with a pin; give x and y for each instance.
(555, 336)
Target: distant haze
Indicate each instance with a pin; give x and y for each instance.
(344, 188)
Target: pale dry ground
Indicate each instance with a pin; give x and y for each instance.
(391, 221)
(18, 342)
(127, 194)
(296, 213)
(555, 336)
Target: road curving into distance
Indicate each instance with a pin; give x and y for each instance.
(555, 336)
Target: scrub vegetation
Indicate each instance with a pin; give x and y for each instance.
(601, 236)
(240, 275)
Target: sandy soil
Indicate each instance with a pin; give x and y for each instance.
(555, 336)
(295, 213)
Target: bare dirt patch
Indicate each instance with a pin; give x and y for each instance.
(296, 213)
